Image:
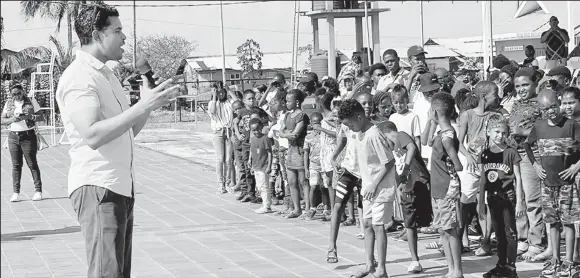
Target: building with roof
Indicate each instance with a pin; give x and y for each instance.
(525, 27)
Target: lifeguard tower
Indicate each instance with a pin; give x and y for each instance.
(331, 10)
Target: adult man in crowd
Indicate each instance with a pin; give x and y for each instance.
(396, 74)
(416, 55)
(101, 126)
(555, 40)
(448, 82)
(278, 82)
(562, 75)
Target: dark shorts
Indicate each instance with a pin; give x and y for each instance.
(560, 204)
(345, 186)
(416, 205)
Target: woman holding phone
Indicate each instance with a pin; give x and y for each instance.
(222, 116)
(22, 113)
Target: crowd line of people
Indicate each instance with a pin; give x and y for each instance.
(416, 151)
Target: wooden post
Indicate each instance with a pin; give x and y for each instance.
(134, 35)
(368, 36)
(331, 47)
(315, 34)
(376, 38)
(223, 46)
(358, 31)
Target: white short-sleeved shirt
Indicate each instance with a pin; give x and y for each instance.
(89, 83)
(389, 78)
(21, 125)
(373, 154)
(407, 122)
(349, 162)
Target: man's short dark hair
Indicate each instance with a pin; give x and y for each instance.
(389, 126)
(527, 71)
(446, 100)
(255, 121)
(248, 91)
(376, 67)
(483, 87)
(350, 108)
(316, 115)
(91, 18)
(391, 52)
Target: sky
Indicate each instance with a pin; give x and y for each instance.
(269, 23)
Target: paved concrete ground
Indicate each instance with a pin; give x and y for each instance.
(184, 229)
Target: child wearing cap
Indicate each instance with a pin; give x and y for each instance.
(416, 55)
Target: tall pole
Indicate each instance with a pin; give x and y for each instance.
(421, 20)
(368, 35)
(294, 50)
(134, 35)
(570, 27)
(223, 45)
(297, 34)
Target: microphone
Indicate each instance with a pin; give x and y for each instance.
(145, 69)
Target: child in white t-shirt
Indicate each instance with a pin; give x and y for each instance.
(405, 120)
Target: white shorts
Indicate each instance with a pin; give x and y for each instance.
(379, 213)
(326, 159)
(315, 177)
(469, 182)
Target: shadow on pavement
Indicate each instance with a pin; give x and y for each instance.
(31, 234)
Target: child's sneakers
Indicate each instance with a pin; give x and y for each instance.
(310, 214)
(15, 197)
(248, 198)
(415, 267)
(326, 215)
(567, 269)
(257, 200)
(263, 210)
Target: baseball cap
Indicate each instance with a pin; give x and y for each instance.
(415, 50)
(560, 70)
(309, 77)
(428, 82)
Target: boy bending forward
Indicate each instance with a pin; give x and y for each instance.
(377, 172)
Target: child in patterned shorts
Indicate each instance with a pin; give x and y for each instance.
(558, 140)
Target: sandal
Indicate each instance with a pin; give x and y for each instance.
(292, 214)
(332, 256)
(360, 236)
(483, 251)
(433, 245)
(529, 255)
(348, 222)
(361, 274)
(538, 258)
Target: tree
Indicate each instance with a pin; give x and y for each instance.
(250, 59)
(163, 52)
(307, 48)
(55, 11)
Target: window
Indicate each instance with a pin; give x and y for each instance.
(235, 79)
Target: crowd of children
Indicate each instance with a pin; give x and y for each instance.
(505, 151)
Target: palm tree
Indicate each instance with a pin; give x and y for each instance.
(55, 11)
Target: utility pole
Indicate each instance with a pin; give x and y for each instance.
(134, 35)
(223, 45)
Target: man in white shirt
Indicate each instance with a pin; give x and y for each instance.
(396, 74)
(101, 127)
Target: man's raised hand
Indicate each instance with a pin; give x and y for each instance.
(154, 98)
